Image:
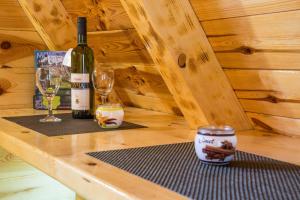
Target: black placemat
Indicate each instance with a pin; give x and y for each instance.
(68, 126)
(176, 167)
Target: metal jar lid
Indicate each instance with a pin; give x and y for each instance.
(216, 130)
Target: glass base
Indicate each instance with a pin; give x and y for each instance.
(50, 118)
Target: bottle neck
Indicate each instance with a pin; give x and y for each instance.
(81, 39)
(82, 30)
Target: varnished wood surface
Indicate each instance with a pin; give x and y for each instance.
(188, 66)
(52, 22)
(63, 157)
(21, 181)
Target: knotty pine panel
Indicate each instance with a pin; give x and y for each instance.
(142, 86)
(110, 15)
(270, 41)
(101, 15)
(217, 9)
(12, 17)
(121, 46)
(272, 92)
(17, 67)
(279, 125)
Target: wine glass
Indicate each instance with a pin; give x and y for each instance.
(48, 80)
(103, 81)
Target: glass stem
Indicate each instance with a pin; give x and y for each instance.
(50, 113)
(103, 99)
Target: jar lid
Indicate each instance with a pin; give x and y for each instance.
(110, 106)
(216, 130)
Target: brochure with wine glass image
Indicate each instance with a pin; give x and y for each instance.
(62, 100)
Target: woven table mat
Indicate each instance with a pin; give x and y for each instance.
(176, 167)
(68, 126)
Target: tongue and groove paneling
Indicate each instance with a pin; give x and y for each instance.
(249, 37)
(18, 40)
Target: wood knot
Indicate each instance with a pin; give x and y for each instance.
(272, 99)
(5, 45)
(261, 124)
(182, 60)
(247, 50)
(5, 67)
(102, 52)
(36, 7)
(25, 132)
(91, 163)
(54, 11)
(133, 68)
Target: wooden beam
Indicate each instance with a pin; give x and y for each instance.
(52, 22)
(174, 37)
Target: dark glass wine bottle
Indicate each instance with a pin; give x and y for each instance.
(82, 62)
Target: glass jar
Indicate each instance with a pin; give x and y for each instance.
(215, 144)
(110, 115)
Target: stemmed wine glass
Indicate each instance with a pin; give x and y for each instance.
(103, 81)
(48, 80)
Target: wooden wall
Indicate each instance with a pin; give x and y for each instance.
(256, 42)
(18, 40)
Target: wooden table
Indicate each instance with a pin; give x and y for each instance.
(63, 157)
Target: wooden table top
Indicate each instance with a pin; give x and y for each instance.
(63, 157)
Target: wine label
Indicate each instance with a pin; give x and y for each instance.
(80, 99)
(80, 78)
(80, 92)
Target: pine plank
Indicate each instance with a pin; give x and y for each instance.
(87, 8)
(159, 103)
(282, 81)
(166, 31)
(110, 15)
(143, 87)
(120, 46)
(217, 9)
(102, 15)
(260, 60)
(247, 42)
(280, 125)
(258, 25)
(12, 17)
(283, 109)
(17, 83)
(274, 92)
(18, 44)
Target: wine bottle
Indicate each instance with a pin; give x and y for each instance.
(82, 66)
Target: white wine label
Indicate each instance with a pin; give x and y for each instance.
(80, 78)
(80, 98)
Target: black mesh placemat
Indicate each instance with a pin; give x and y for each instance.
(68, 126)
(176, 167)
